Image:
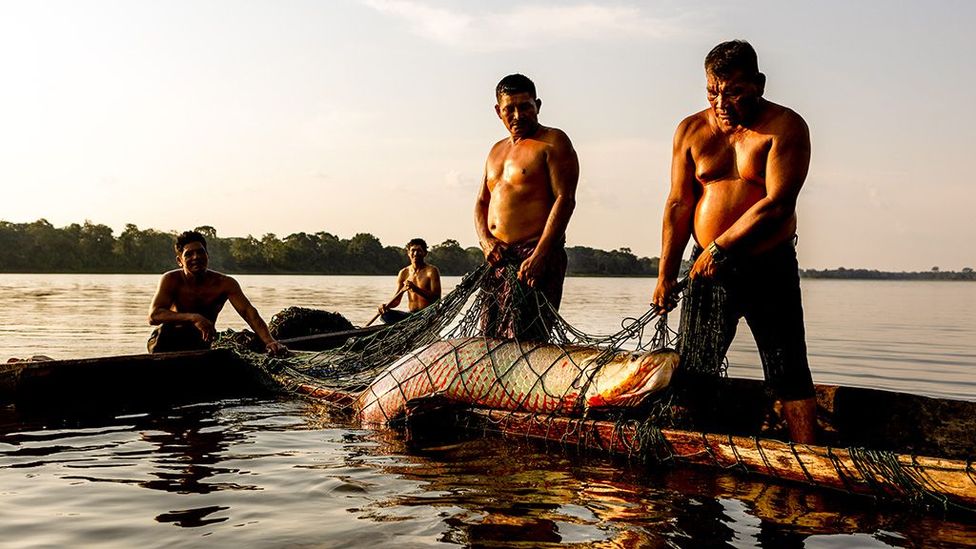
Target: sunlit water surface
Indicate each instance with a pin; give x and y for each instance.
(280, 472)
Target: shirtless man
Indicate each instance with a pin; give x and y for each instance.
(189, 299)
(736, 172)
(527, 197)
(420, 281)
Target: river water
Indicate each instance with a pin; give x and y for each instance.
(280, 472)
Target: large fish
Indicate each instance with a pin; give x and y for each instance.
(517, 376)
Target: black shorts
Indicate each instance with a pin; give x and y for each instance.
(764, 289)
(394, 315)
(168, 338)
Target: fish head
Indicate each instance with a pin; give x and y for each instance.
(628, 379)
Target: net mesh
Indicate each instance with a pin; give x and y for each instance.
(493, 342)
(496, 345)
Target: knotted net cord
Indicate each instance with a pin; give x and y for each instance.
(477, 308)
(519, 374)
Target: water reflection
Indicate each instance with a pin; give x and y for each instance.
(287, 473)
(495, 492)
(188, 447)
(193, 518)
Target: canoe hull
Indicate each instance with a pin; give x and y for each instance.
(935, 481)
(122, 381)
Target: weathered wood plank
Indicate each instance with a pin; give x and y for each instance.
(45, 381)
(817, 465)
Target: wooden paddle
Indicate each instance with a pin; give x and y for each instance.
(388, 304)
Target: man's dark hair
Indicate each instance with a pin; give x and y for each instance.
(515, 83)
(417, 242)
(728, 57)
(186, 237)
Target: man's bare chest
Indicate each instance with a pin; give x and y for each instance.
(421, 276)
(200, 299)
(521, 164)
(721, 158)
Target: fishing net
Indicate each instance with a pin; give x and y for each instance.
(495, 356)
(492, 341)
(302, 321)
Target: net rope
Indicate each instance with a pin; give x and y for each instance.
(495, 343)
(479, 309)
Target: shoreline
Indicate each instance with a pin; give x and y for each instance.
(826, 274)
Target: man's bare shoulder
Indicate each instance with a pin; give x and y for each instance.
(783, 120)
(554, 137)
(691, 127)
(172, 278)
(225, 282)
(500, 145)
(696, 121)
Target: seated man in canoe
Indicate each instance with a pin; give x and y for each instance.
(189, 299)
(419, 280)
(527, 197)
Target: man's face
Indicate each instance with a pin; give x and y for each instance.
(193, 259)
(734, 99)
(416, 252)
(519, 112)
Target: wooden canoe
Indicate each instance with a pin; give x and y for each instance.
(214, 373)
(893, 445)
(882, 443)
(729, 423)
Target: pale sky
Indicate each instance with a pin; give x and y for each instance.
(376, 115)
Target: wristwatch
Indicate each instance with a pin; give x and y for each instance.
(718, 254)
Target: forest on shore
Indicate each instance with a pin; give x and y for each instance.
(39, 247)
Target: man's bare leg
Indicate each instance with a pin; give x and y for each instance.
(801, 419)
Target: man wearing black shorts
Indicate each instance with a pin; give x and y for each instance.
(766, 292)
(737, 168)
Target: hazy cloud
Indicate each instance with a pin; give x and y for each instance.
(522, 25)
(875, 197)
(457, 181)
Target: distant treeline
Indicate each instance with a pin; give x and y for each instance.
(869, 274)
(39, 247)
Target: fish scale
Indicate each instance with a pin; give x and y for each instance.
(498, 374)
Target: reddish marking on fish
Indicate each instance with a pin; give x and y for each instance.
(527, 377)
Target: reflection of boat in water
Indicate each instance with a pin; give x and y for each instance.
(581, 497)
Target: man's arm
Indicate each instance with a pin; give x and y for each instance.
(787, 165)
(398, 296)
(563, 165)
(161, 310)
(250, 315)
(679, 211)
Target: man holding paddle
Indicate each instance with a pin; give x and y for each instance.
(188, 300)
(419, 280)
(526, 199)
(736, 172)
